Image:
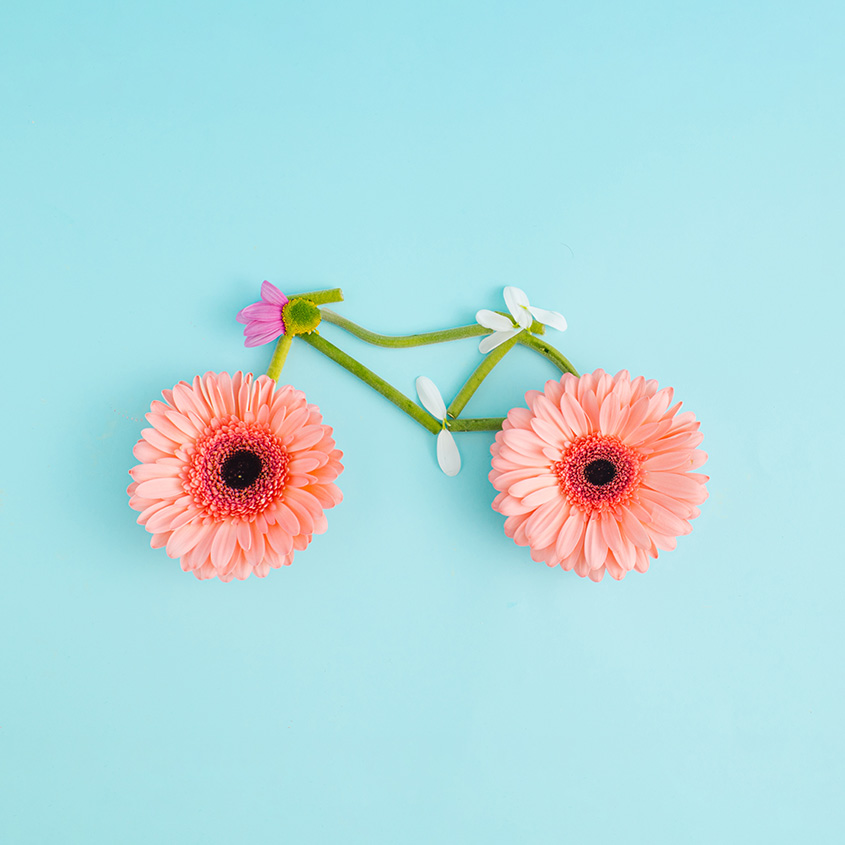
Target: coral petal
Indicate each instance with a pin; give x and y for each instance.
(595, 547)
(185, 538)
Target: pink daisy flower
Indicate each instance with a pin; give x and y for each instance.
(597, 473)
(263, 320)
(233, 477)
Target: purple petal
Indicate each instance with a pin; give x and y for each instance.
(271, 294)
(241, 317)
(260, 338)
(262, 311)
(262, 326)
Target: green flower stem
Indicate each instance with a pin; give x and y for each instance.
(478, 424)
(481, 372)
(530, 340)
(376, 382)
(402, 341)
(395, 396)
(321, 297)
(278, 359)
(547, 351)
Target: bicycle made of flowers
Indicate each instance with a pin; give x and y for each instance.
(597, 473)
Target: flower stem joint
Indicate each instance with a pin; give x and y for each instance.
(595, 475)
(300, 316)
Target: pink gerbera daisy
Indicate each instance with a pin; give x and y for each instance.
(234, 477)
(263, 321)
(597, 473)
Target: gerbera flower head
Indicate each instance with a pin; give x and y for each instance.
(597, 474)
(234, 476)
(275, 315)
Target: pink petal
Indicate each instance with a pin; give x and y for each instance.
(270, 293)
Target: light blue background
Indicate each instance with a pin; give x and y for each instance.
(668, 175)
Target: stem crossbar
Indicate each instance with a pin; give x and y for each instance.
(392, 394)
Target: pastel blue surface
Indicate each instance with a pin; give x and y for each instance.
(669, 176)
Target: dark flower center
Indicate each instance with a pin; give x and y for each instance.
(600, 472)
(241, 469)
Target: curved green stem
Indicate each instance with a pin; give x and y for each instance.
(481, 372)
(411, 408)
(399, 399)
(529, 339)
(402, 341)
(414, 411)
(279, 355)
(547, 351)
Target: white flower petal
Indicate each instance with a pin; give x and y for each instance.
(447, 453)
(430, 397)
(548, 318)
(492, 320)
(496, 339)
(518, 305)
(525, 320)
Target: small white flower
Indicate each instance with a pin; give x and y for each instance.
(523, 315)
(447, 450)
